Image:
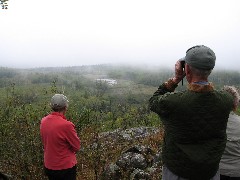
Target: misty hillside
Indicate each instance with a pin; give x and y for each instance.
(151, 76)
(103, 99)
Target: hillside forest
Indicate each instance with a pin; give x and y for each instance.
(102, 98)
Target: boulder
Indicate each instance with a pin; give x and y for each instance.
(138, 162)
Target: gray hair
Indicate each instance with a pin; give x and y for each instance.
(234, 92)
(59, 102)
(200, 72)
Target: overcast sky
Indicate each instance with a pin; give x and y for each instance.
(36, 33)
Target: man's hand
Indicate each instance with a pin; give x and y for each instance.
(179, 73)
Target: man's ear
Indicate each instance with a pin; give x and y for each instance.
(64, 110)
(187, 68)
(188, 73)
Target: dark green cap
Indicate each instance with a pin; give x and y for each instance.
(200, 57)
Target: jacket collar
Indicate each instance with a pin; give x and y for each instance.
(58, 114)
(201, 88)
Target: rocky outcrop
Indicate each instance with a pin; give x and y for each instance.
(129, 134)
(137, 162)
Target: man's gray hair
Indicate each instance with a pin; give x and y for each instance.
(200, 72)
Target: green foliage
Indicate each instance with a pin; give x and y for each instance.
(224, 77)
(238, 111)
(21, 149)
(7, 72)
(140, 75)
(101, 87)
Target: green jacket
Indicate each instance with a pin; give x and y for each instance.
(195, 128)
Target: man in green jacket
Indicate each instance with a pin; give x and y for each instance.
(194, 120)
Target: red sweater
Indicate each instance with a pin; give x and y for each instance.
(60, 142)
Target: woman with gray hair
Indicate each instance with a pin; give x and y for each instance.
(230, 162)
